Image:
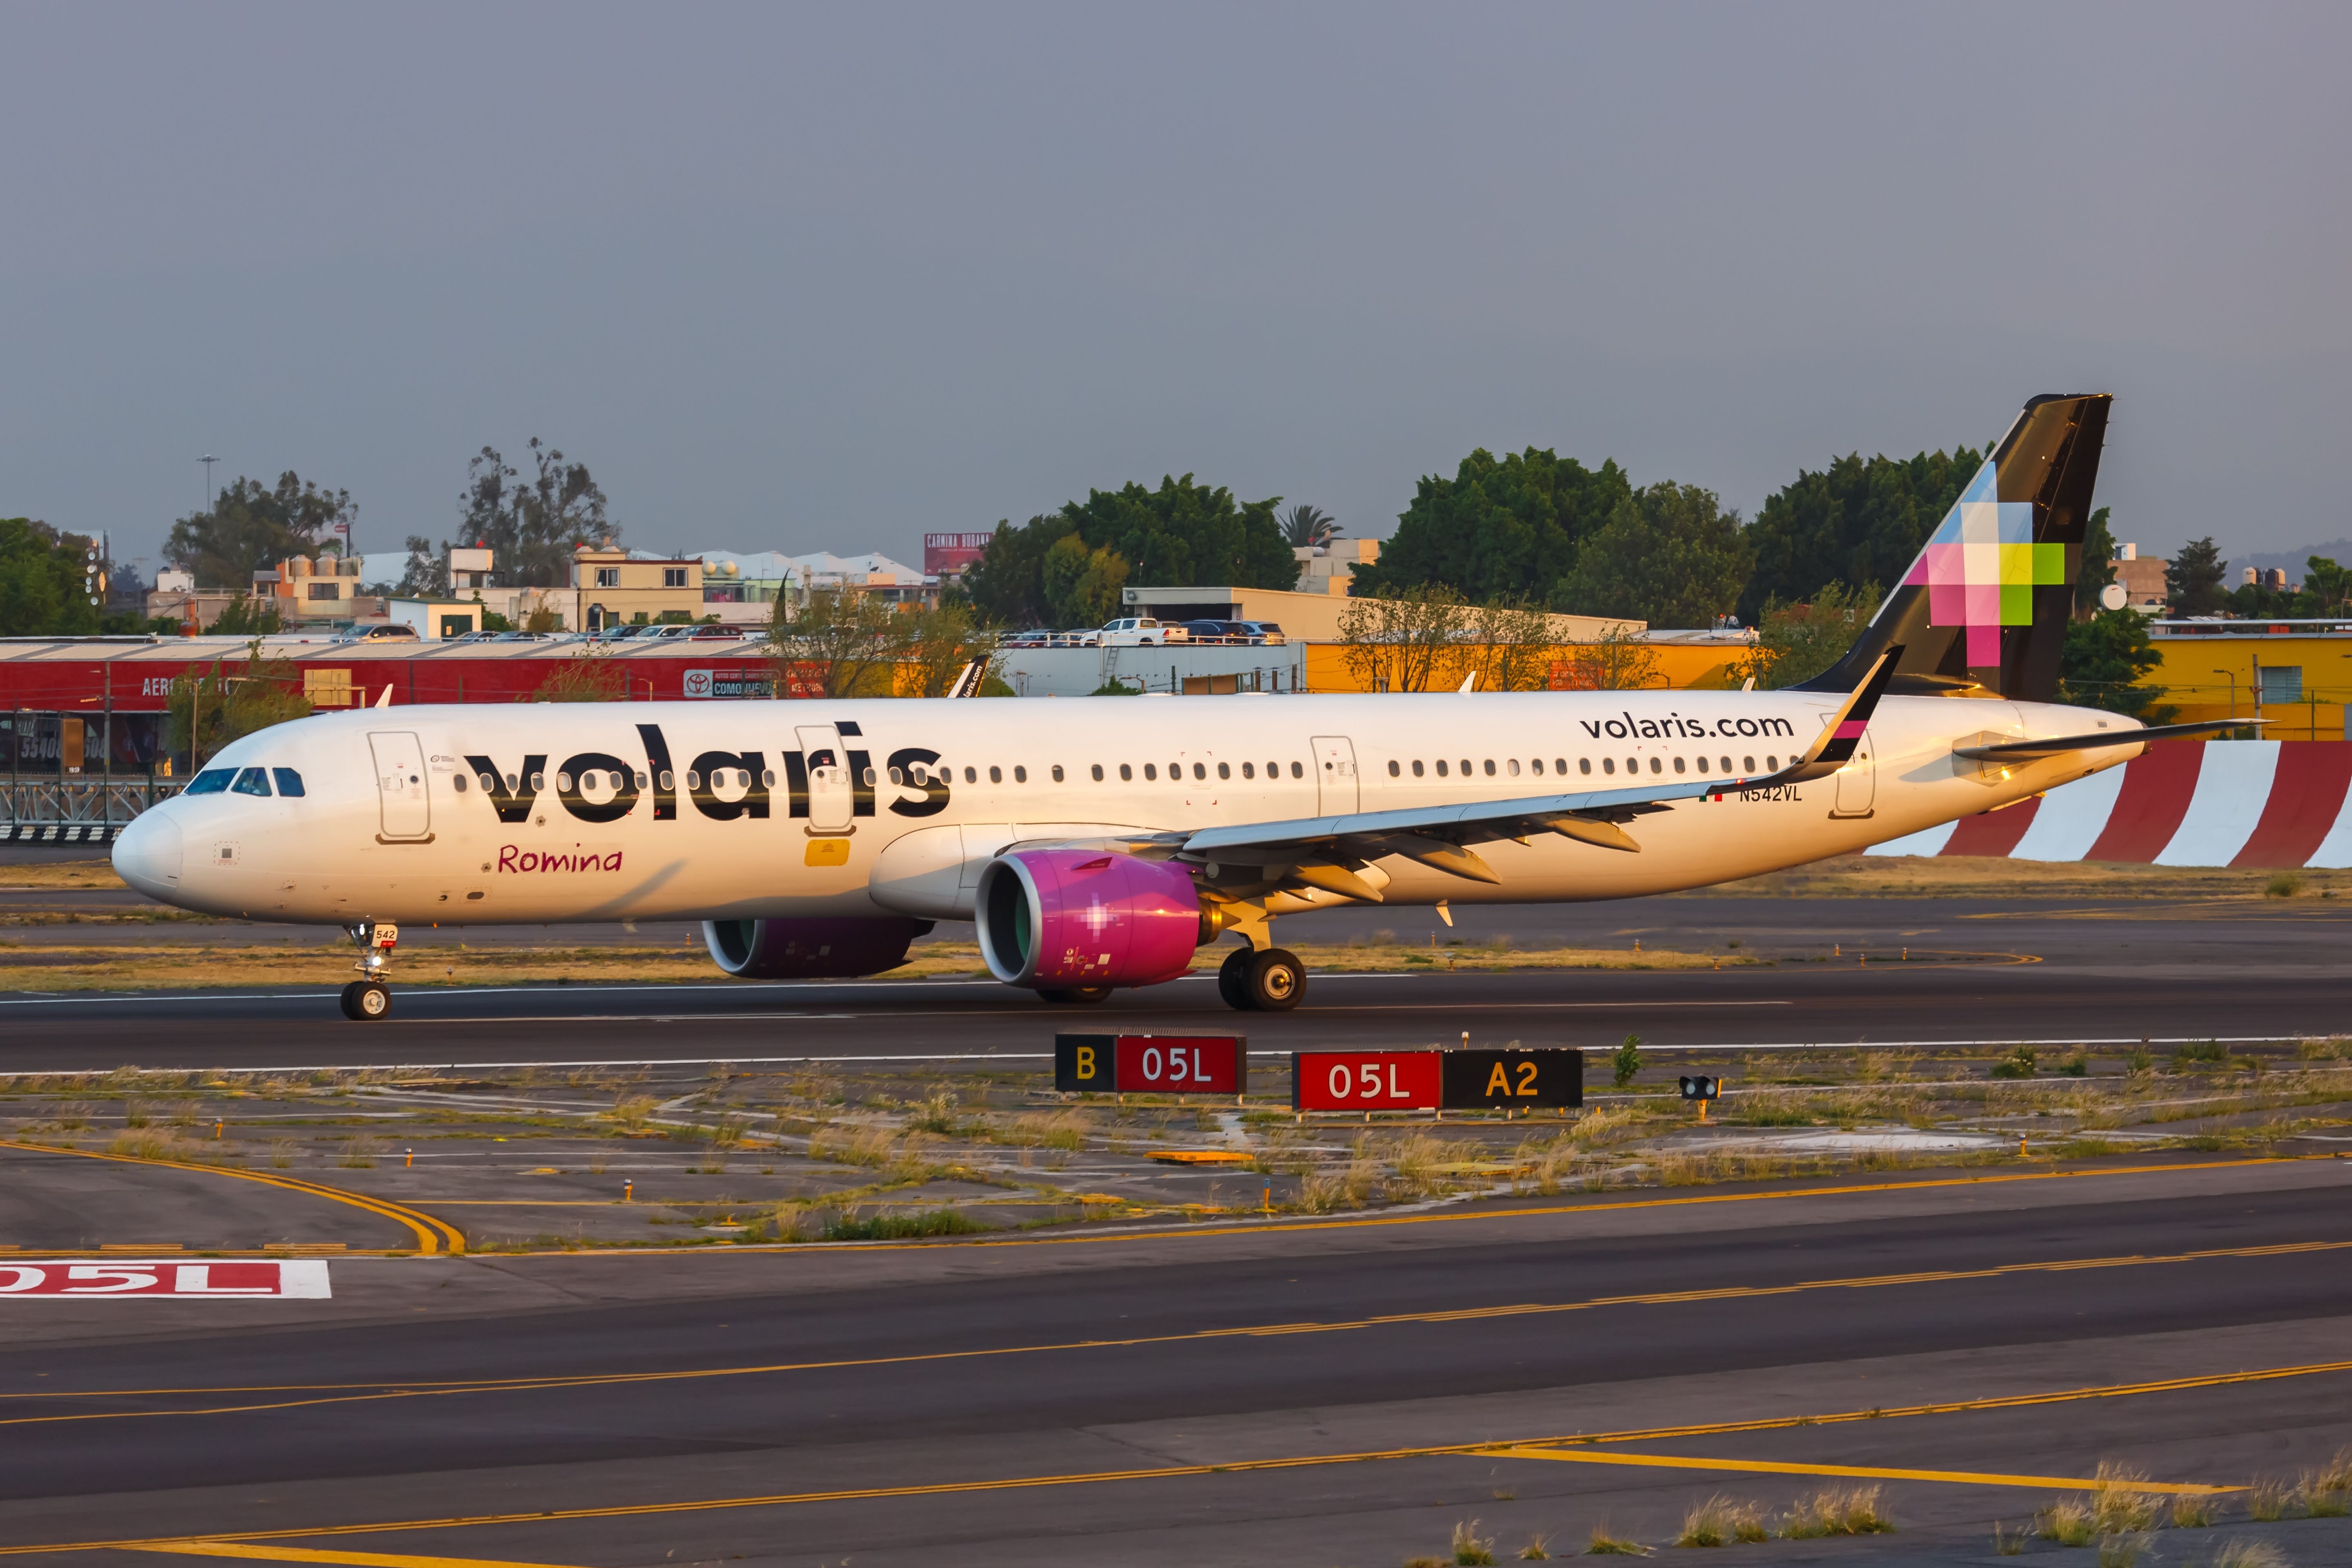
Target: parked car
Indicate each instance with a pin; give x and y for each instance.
(707, 633)
(1141, 631)
(522, 636)
(393, 632)
(1033, 636)
(1268, 632)
(1214, 632)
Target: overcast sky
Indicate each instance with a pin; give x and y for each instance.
(828, 278)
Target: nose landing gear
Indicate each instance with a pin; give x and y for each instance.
(368, 999)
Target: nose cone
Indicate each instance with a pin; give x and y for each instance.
(147, 855)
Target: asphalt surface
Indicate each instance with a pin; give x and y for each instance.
(1976, 970)
(884, 1400)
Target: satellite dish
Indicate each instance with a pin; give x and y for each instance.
(2113, 596)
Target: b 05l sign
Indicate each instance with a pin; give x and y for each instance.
(1151, 1064)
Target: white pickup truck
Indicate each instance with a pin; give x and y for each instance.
(1141, 631)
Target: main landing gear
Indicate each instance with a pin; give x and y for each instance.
(1262, 981)
(368, 999)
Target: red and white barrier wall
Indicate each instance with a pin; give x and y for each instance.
(2185, 802)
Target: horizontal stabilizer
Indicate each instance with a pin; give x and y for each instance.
(2026, 751)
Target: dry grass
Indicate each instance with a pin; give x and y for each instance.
(1910, 876)
(2268, 1499)
(1470, 1548)
(2067, 1522)
(1836, 1510)
(359, 1152)
(633, 1110)
(2121, 1551)
(2245, 1553)
(157, 1144)
(2192, 1512)
(1065, 1130)
(1719, 1521)
(1604, 1544)
(2118, 1506)
(61, 874)
(1537, 1550)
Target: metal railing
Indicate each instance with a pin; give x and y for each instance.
(76, 811)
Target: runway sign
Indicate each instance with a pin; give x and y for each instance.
(1437, 1081)
(1513, 1080)
(1366, 1080)
(283, 1278)
(1151, 1064)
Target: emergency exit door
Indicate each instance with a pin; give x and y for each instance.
(1335, 775)
(832, 793)
(406, 812)
(1856, 782)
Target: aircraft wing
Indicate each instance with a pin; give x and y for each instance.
(1323, 852)
(2027, 751)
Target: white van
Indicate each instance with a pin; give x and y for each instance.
(1141, 631)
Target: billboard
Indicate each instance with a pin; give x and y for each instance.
(945, 554)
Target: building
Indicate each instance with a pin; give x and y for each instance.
(304, 592)
(2142, 577)
(1325, 568)
(2294, 674)
(1312, 617)
(612, 586)
(763, 577)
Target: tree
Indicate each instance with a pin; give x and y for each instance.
(532, 528)
(2103, 664)
(584, 678)
(1855, 522)
(427, 576)
(249, 616)
(1796, 642)
(1082, 586)
(1307, 527)
(1619, 660)
(1508, 645)
(1007, 583)
(844, 643)
(220, 706)
(1670, 554)
(2098, 564)
(250, 529)
(1396, 642)
(2192, 579)
(1498, 529)
(2328, 584)
(941, 642)
(41, 585)
(1181, 535)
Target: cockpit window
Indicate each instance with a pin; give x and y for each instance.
(288, 782)
(252, 780)
(211, 780)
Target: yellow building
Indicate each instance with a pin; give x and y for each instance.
(2297, 675)
(610, 587)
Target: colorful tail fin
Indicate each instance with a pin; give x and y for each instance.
(1983, 610)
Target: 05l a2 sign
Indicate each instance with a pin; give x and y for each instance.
(304, 1277)
(1366, 1080)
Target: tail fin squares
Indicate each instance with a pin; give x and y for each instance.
(1983, 609)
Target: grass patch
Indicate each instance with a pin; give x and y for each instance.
(157, 1144)
(2242, 1554)
(2019, 1063)
(1604, 1544)
(1719, 1521)
(1470, 1548)
(2192, 1512)
(900, 1226)
(1836, 1510)
(2268, 1500)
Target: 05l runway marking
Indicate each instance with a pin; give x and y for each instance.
(368, 1393)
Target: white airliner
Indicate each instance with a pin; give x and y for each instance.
(1100, 842)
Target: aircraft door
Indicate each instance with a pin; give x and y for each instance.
(408, 813)
(1856, 782)
(1335, 775)
(832, 795)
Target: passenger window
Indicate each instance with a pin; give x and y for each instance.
(1020, 775)
(1098, 773)
(211, 780)
(1126, 773)
(1416, 767)
(896, 777)
(457, 783)
(972, 775)
(1678, 765)
(1515, 767)
(1583, 764)
(1559, 765)
(1608, 764)
(1224, 771)
(1747, 765)
(1199, 771)
(1536, 763)
(1633, 764)
(1702, 765)
(1490, 767)
(290, 783)
(1441, 767)
(1058, 773)
(1297, 772)
(252, 780)
(995, 775)
(1466, 767)
(1249, 770)
(1394, 771)
(767, 779)
(1726, 765)
(1772, 764)
(1149, 771)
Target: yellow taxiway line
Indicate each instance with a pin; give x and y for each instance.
(1860, 1472)
(255, 1552)
(432, 1235)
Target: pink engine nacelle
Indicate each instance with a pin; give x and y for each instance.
(1068, 920)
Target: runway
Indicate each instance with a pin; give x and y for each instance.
(1835, 974)
(1324, 1392)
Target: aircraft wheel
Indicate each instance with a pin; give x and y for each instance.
(367, 1001)
(1233, 979)
(1078, 994)
(1277, 980)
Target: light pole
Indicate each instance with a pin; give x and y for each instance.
(2232, 676)
(209, 460)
